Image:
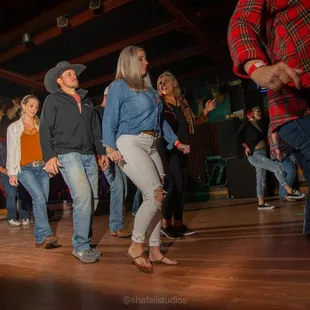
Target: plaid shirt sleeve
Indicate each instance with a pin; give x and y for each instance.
(243, 33)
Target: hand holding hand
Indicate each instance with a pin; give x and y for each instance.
(52, 166)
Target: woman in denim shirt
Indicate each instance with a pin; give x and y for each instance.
(131, 125)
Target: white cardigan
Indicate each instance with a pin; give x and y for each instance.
(14, 132)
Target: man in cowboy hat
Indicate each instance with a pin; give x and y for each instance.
(70, 134)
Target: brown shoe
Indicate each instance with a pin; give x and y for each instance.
(122, 233)
(50, 242)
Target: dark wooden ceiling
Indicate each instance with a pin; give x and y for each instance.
(187, 37)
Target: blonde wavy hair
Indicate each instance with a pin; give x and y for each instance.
(177, 89)
(129, 69)
(23, 102)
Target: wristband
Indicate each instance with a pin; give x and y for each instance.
(255, 66)
(177, 143)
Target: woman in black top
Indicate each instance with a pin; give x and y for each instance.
(252, 134)
(180, 117)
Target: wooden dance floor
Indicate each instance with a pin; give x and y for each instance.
(240, 258)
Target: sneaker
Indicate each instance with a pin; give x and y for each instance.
(185, 231)
(13, 223)
(296, 195)
(96, 252)
(25, 222)
(170, 232)
(86, 256)
(265, 206)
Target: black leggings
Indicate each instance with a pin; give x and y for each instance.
(175, 167)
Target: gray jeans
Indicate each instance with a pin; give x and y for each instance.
(143, 166)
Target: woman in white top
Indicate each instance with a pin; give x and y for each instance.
(25, 164)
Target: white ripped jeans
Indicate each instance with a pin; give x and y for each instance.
(143, 166)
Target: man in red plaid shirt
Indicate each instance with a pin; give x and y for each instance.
(269, 42)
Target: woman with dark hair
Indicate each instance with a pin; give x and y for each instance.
(25, 164)
(253, 136)
(131, 126)
(182, 120)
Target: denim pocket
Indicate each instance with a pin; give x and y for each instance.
(292, 134)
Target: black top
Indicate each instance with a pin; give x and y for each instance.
(63, 129)
(4, 124)
(249, 134)
(100, 111)
(177, 122)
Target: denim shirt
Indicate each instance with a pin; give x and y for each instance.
(129, 112)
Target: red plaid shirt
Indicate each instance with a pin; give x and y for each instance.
(274, 31)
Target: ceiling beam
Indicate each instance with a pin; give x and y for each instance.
(119, 45)
(218, 10)
(46, 17)
(53, 32)
(21, 79)
(173, 57)
(189, 19)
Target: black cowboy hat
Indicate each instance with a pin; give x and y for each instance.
(50, 79)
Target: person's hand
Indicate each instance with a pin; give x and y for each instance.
(279, 154)
(13, 180)
(209, 106)
(276, 76)
(52, 166)
(103, 162)
(3, 170)
(115, 156)
(184, 148)
(247, 152)
(16, 102)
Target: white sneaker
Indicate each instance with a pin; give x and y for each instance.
(13, 223)
(25, 222)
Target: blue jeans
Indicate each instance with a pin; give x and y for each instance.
(14, 193)
(36, 181)
(80, 172)
(297, 134)
(289, 169)
(136, 201)
(262, 163)
(118, 189)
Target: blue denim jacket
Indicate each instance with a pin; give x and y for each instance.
(129, 112)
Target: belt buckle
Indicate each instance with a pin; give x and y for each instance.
(37, 163)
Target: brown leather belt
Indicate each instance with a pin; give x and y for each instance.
(153, 133)
(2, 139)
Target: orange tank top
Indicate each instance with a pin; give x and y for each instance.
(30, 147)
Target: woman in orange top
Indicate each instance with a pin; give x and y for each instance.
(25, 164)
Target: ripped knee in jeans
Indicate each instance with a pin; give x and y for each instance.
(159, 196)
